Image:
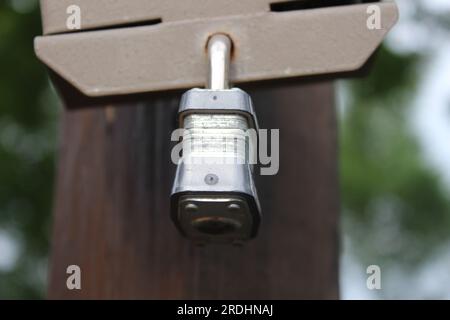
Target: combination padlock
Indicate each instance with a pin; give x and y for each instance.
(214, 199)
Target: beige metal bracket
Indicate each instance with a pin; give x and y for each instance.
(171, 54)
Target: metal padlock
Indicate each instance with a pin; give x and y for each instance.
(214, 198)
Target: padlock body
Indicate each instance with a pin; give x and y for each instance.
(214, 198)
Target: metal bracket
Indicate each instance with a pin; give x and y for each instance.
(171, 55)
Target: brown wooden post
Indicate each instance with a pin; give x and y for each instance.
(112, 206)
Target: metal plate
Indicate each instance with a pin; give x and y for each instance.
(217, 219)
(171, 55)
(102, 13)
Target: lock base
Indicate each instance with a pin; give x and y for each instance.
(216, 217)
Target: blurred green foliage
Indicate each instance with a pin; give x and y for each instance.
(28, 114)
(395, 207)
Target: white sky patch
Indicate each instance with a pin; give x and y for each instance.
(436, 6)
(431, 114)
(430, 281)
(407, 35)
(430, 122)
(433, 280)
(9, 251)
(353, 276)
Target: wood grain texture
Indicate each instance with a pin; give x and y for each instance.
(112, 207)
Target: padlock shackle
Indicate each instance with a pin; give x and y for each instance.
(219, 56)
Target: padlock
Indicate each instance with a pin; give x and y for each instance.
(214, 199)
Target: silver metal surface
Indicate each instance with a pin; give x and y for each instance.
(219, 219)
(216, 154)
(219, 137)
(216, 141)
(219, 55)
(216, 165)
(206, 101)
(214, 197)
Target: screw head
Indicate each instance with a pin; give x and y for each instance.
(211, 179)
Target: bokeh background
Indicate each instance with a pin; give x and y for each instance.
(394, 159)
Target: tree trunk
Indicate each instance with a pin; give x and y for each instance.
(112, 206)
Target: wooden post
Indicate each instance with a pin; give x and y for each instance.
(112, 206)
